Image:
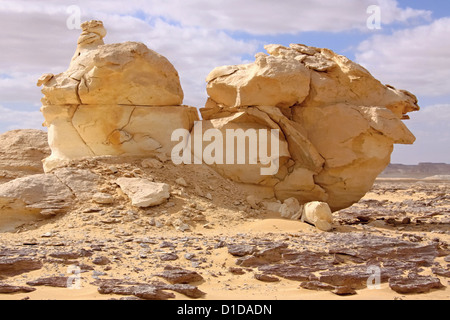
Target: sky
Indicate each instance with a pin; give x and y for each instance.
(402, 43)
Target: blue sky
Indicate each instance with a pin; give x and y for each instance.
(411, 50)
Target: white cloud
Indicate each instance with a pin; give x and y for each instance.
(391, 12)
(431, 126)
(11, 119)
(252, 16)
(19, 87)
(38, 41)
(415, 59)
(263, 17)
(193, 51)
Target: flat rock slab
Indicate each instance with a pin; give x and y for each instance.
(241, 250)
(266, 278)
(154, 290)
(56, 282)
(10, 289)
(414, 284)
(10, 267)
(177, 275)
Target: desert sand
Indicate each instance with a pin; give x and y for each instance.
(402, 225)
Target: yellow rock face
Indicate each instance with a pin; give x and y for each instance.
(339, 122)
(335, 124)
(115, 99)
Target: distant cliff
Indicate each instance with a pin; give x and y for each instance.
(422, 170)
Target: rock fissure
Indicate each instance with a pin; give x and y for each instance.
(92, 153)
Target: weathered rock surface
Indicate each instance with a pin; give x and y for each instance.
(291, 209)
(414, 283)
(338, 122)
(144, 193)
(40, 196)
(21, 153)
(153, 290)
(81, 182)
(116, 74)
(115, 99)
(318, 214)
(8, 289)
(56, 282)
(177, 275)
(30, 198)
(12, 266)
(344, 262)
(119, 262)
(238, 250)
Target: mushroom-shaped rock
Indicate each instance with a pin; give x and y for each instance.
(338, 124)
(115, 99)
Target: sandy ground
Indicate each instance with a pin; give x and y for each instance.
(134, 246)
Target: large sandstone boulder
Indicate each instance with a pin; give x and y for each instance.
(115, 99)
(21, 153)
(115, 74)
(339, 123)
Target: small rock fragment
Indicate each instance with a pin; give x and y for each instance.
(291, 209)
(236, 271)
(240, 250)
(47, 235)
(144, 193)
(103, 198)
(317, 285)
(168, 257)
(344, 291)
(101, 261)
(266, 278)
(57, 282)
(177, 275)
(318, 214)
(152, 163)
(181, 182)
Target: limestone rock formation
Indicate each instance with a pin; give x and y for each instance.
(30, 198)
(21, 153)
(115, 99)
(337, 123)
(324, 126)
